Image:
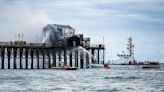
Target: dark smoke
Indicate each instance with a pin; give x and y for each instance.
(61, 35)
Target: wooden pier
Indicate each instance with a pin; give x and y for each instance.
(24, 55)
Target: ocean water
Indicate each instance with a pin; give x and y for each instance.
(116, 79)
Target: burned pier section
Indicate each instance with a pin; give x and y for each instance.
(44, 57)
(60, 47)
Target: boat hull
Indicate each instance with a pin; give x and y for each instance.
(106, 66)
(65, 68)
(71, 68)
(149, 66)
(96, 66)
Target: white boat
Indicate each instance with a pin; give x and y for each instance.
(126, 57)
(99, 66)
(150, 65)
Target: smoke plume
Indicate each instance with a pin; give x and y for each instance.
(17, 17)
(52, 35)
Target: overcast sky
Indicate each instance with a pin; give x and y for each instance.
(115, 20)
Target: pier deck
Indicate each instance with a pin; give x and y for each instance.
(22, 55)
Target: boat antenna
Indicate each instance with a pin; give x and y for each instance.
(130, 47)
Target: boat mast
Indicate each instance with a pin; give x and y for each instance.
(130, 48)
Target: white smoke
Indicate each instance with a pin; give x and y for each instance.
(17, 17)
(52, 35)
(83, 50)
(46, 37)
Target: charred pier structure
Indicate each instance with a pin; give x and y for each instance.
(60, 46)
(43, 56)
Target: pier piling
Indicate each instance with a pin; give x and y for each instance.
(76, 59)
(32, 58)
(49, 58)
(40, 56)
(43, 55)
(81, 60)
(37, 56)
(9, 56)
(20, 57)
(54, 58)
(70, 59)
(98, 56)
(2, 57)
(26, 58)
(15, 58)
(65, 57)
(87, 60)
(59, 57)
(93, 53)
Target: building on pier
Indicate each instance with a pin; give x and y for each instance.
(24, 55)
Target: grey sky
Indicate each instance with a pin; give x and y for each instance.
(116, 20)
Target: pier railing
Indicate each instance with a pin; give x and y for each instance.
(23, 44)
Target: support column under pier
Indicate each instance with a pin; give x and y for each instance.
(43, 55)
(59, 56)
(70, 59)
(37, 55)
(32, 58)
(2, 57)
(26, 57)
(98, 56)
(15, 57)
(103, 56)
(20, 57)
(81, 60)
(87, 60)
(76, 58)
(49, 58)
(9, 56)
(92, 58)
(65, 57)
(54, 58)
